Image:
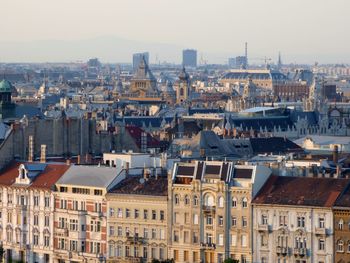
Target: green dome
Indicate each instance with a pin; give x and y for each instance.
(5, 86)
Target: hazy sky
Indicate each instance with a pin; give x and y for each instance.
(303, 30)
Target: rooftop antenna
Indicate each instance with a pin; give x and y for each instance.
(246, 54)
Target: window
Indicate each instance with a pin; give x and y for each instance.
(145, 252)
(221, 220)
(234, 202)
(62, 222)
(120, 231)
(36, 239)
(98, 207)
(63, 204)
(321, 222)
(263, 260)
(63, 189)
(36, 220)
(61, 243)
(340, 246)
(111, 212)
(73, 244)
(233, 240)
(75, 205)
(234, 221)
(209, 200)
(244, 202)
(47, 201)
(340, 224)
(47, 220)
(46, 240)
(73, 225)
(195, 238)
(153, 252)
(283, 220)
(36, 200)
(136, 213)
(177, 199)
(154, 233)
(145, 214)
(127, 212)
(9, 198)
(187, 218)
(348, 246)
(120, 212)
(145, 232)
(161, 234)
(321, 244)
(263, 239)
(209, 220)
(95, 226)
(264, 219)
(82, 206)
(244, 221)
(186, 257)
(161, 215)
(176, 236)
(161, 253)
(209, 238)
(154, 214)
(195, 200)
(187, 200)
(221, 201)
(300, 221)
(97, 192)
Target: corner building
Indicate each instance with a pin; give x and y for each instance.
(210, 212)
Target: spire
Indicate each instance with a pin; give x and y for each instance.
(279, 63)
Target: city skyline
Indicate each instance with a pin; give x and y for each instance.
(303, 32)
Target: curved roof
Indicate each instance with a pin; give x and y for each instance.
(5, 86)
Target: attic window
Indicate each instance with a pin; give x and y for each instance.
(22, 172)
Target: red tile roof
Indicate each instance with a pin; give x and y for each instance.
(303, 191)
(136, 132)
(45, 179)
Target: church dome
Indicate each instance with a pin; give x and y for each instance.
(5, 86)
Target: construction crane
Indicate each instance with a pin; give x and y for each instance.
(265, 59)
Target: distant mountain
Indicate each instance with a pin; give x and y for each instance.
(107, 49)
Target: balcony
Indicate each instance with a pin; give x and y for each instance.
(208, 245)
(282, 250)
(135, 240)
(263, 227)
(209, 209)
(320, 231)
(301, 252)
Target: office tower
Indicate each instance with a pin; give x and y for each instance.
(189, 58)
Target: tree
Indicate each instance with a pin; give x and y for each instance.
(231, 260)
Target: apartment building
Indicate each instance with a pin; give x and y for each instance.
(27, 210)
(137, 219)
(293, 219)
(210, 212)
(341, 215)
(80, 223)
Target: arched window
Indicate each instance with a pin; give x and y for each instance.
(340, 245)
(244, 202)
(195, 200)
(221, 201)
(177, 199)
(234, 202)
(187, 200)
(340, 224)
(209, 200)
(181, 91)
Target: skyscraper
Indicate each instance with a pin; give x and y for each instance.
(137, 57)
(189, 58)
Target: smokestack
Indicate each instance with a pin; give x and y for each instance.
(335, 154)
(31, 149)
(43, 153)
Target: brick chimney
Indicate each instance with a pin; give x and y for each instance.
(43, 153)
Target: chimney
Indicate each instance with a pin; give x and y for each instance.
(43, 153)
(68, 162)
(335, 154)
(31, 149)
(78, 159)
(234, 132)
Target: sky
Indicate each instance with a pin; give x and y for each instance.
(304, 31)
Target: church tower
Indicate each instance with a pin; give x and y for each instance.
(183, 87)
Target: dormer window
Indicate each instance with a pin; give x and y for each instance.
(22, 172)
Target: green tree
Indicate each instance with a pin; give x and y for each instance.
(231, 260)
